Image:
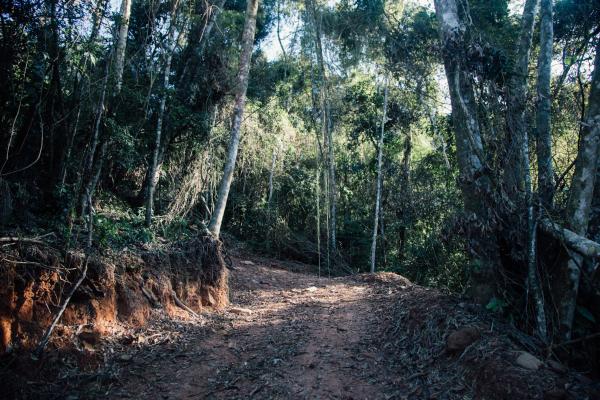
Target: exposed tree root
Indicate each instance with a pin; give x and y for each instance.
(40, 348)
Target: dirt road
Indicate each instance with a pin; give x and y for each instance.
(286, 335)
(289, 334)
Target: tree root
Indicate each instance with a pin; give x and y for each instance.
(182, 305)
(40, 348)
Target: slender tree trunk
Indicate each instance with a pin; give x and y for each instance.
(580, 198)
(97, 18)
(327, 132)
(88, 166)
(518, 176)
(153, 171)
(543, 117)
(271, 173)
(238, 112)
(93, 165)
(475, 182)
(533, 278)
(318, 199)
(517, 98)
(379, 177)
(122, 43)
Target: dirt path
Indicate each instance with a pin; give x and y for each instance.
(292, 335)
(287, 335)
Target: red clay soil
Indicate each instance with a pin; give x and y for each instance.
(289, 334)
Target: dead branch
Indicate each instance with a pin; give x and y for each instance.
(580, 244)
(40, 348)
(14, 239)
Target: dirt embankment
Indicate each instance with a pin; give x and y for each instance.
(118, 292)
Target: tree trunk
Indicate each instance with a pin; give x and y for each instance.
(122, 43)
(517, 98)
(474, 180)
(379, 177)
(153, 171)
(271, 173)
(327, 132)
(87, 178)
(543, 117)
(238, 112)
(580, 198)
(97, 18)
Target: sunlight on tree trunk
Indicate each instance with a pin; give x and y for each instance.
(238, 112)
(122, 43)
(379, 177)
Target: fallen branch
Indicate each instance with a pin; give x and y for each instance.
(580, 244)
(14, 239)
(181, 304)
(40, 348)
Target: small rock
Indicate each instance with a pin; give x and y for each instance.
(125, 357)
(240, 311)
(311, 289)
(528, 361)
(460, 339)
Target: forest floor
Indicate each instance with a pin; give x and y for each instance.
(289, 334)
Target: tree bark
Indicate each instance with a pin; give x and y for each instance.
(517, 98)
(122, 43)
(474, 180)
(580, 198)
(580, 244)
(238, 112)
(379, 177)
(543, 116)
